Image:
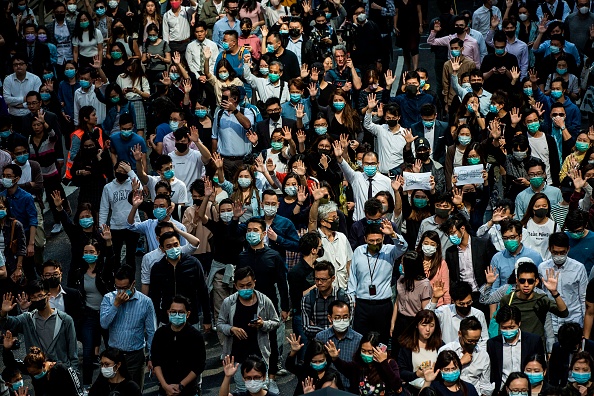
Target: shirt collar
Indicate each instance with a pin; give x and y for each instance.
(518, 341)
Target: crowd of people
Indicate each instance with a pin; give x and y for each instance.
(425, 234)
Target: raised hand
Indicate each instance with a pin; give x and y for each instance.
(299, 111)
(208, 189)
(106, 232)
(304, 70)
(491, 275)
(187, 85)
(270, 165)
(380, 110)
(438, 289)
(498, 215)
(533, 75)
(317, 192)
(166, 80)
(252, 137)
(386, 227)
(389, 76)
(301, 136)
(455, 64)
(397, 183)
(137, 198)
(409, 137)
(515, 73)
(429, 374)
(371, 101)
(457, 196)
(302, 194)
(176, 58)
(337, 149)
(49, 84)
(313, 89)
(314, 74)
(207, 53)
(136, 184)
(299, 167)
(495, 128)
(294, 342)
(8, 340)
(538, 106)
(331, 349)
(344, 141)
(218, 160)
(552, 280)
(8, 303)
(229, 366)
(23, 301)
(515, 116)
(259, 164)
(96, 62)
(324, 160)
(308, 383)
(416, 168)
(57, 197)
(437, 26)
(379, 355)
(238, 209)
(494, 22)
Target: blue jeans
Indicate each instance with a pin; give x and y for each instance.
(90, 337)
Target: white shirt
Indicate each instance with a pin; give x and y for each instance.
(15, 90)
(265, 88)
(390, 144)
(360, 185)
(86, 47)
(430, 136)
(26, 176)
(512, 355)
(478, 371)
(449, 321)
(188, 168)
(537, 237)
(82, 98)
(58, 301)
(179, 191)
(193, 56)
(540, 149)
(466, 267)
(177, 27)
(339, 253)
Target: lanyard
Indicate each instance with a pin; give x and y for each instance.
(374, 266)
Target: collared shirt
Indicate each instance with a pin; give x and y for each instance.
(22, 207)
(504, 263)
(379, 266)
(475, 34)
(481, 19)
(512, 355)
(132, 325)
(265, 88)
(272, 125)
(194, 56)
(220, 27)
(314, 309)
(347, 346)
(553, 8)
(295, 47)
(449, 321)
(177, 27)
(568, 48)
(15, 90)
(484, 97)
(289, 111)
(571, 285)
(523, 198)
(58, 301)
(231, 136)
(471, 48)
(494, 234)
(517, 48)
(339, 253)
(478, 371)
(360, 184)
(147, 227)
(466, 267)
(390, 144)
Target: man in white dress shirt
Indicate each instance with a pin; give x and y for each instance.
(194, 52)
(15, 88)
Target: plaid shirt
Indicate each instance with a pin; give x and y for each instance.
(314, 309)
(347, 346)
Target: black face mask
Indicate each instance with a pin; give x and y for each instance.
(118, 30)
(463, 311)
(321, 26)
(411, 90)
(274, 116)
(233, 13)
(442, 213)
(510, 33)
(197, 201)
(246, 33)
(52, 282)
(567, 196)
(423, 156)
(121, 177)
(38, 305)
(476, 86)
(542, 212)
(294, 33)
(470, 197)
(392, 123)
(324, 151)
(181, 147)
(459, 30)
(334, 225)
(60, 17)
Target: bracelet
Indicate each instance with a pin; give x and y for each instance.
(299, 203)
(556, 295)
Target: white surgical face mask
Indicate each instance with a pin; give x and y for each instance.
(108, 372)
(341, 325)
(429, 250)
(254, 386)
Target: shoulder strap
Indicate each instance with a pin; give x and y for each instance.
(12, 230)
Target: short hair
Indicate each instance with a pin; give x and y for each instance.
(559, 239)
(499, 37)
(428, 110)
(198, 186)
(325, 265)
(470, 323)
(125, 272)
(576, 219)
(373, 229)
(532, 162)
(258, 220)
(33, 93)
(179, 299)
(269, 192)
(508, 312)
(167, 235)
(412, 75)
(444, 197)
(570, 335)
(308, 242)
(372, 206)
(460, 290)
(527, 267)
(162, 160)
(18, 172)
(564, 85)
(181, 133)
(231, 32)
(126, 118)
(558, 37)
(52, 263)
(326, 209)
(272, 101)
(163, 224)
(339, 304)
(253, 362)
(339, 47)
(37, 286)
(512, 224)
(163, 196)
(244, 272)
(506, 203)
(35, 358)
(456, 40)
(457, 221)
(201, 24)
(277, 63)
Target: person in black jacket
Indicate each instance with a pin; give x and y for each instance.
(64, 298)
(509, 319)
(178, 352)
(115, 377)
(570, 342)
(178, 273)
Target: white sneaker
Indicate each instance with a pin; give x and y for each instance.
(273, 387)
(57, 228)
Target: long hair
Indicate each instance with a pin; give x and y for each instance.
(237, 194)
(470, 119)
(225, 63)
(412, 263)
(476, 146)
(436, 259)
(315, 348)
(373, 374)
(157, 19)
(420, 214)
(122, 49)
(443, 360)
(116, 356)
(84, 206)
(136, 73)
(530, 210)
(350, 118)
(84, 112)
(78, 31)
(514, 376)
(409, 339)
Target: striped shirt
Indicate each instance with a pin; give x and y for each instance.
(559, 213)
(45, 154)
(314, 309)
(130, 323)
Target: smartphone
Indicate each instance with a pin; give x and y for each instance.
(382, 347)
(391, 175)
(225, 97)
(255, 320)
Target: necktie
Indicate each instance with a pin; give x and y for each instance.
(370, 189)
(201, 67)
(30, 48)
(490, 15)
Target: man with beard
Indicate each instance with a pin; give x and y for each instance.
(451, 315)
(476, 364)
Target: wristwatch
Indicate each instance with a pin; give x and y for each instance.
(235, 112)
(181, 387)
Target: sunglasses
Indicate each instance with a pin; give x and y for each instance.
(524, 280)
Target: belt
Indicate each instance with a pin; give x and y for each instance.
(374, 302)
(233, 158)
(132, 352)
(182, 41)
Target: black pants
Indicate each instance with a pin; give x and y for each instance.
(402, 322)
(373, 315)
(17, 123)
(130, 238)
(179, 46)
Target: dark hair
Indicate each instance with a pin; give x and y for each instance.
(162, 160)
(412, 264)
(308, 242)
(460, 290)
(530, 208)
(409, 339)
(33, 93)
(389, 198)
(537, 358)
(437, 257)
(18, 172)
(339, 304)
(456, 221)
(314, 348)
(232, 74)
(499, 37)
(570, 335)
(517, 375)
(576, 219)
(162, 224)
(52, 263)
(258, 220)
(179, 299)
(559, 239)
(373, 338)
(582, 355)
(372, 206)
(167, 235)
(163, 196)
(527, 268)
(512, 224)
(470, 323)
(252, 362)
(37, 286)
(244, 272)
(35, 358)
(373, 229)
(428, 110)
(444, 359)
(125, 272)
(532, 162)
(78, 31)
(506, 313)
(126, 118)
(325, 265)
(506, 203)
(116, 356)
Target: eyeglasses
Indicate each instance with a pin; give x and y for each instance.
(524, 280)
(54, 275)
(256, 378)
(472, 341)
(557, 114)
(535, 174)
(18, 64)
(32, 103)
(321, 280)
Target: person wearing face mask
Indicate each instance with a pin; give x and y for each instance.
(571, 341)
(423, 153)
(247, 320)
(535, 169)
(467, 47)
(497, 67)
(57, 339)
(178, 350)
(575, 23)
(315, 365)
(539, 225)
(117, 105)
(176, 25)
(557, 46)
(459, 64)
(124, 141)
(581, 372)
(190, 156)
(37, 52)
(228, 20)
(266, 128)
(178, 273)
(114, 375)
(582, 146)
(513, 46)
(293, 107)
(475, 361)
(248, 38)
(410, 103)
(63, 298)
(573, 280)
(436, 268)
(272, 85)
(337, 249)
(561, 70)
(536, 370)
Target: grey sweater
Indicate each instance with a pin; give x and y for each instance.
(63, 348)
